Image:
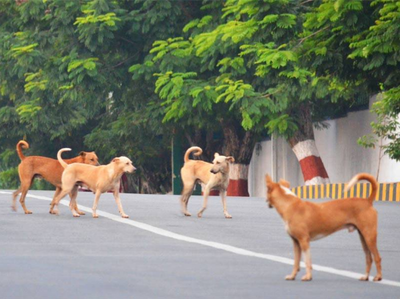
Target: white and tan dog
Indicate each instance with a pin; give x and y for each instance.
(99, 179)
(306, 221)
(212, 176)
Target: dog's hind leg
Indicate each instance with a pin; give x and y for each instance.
(56, 193)
(56, 200)
(186, 193)
(368, 257)
(73, 195)
(223, 196)
(205, 200)
(24, 190)
(14, 199)
(370, 237)
(297, 257)
(73, 206)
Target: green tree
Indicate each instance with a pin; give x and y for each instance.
(376, 51)
(364, 35)
(64, 80)
(252, 62)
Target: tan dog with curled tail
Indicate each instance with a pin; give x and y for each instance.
(42, 167)
(307, 221)
(212, 176)
(99, 179)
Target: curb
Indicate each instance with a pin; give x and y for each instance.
(386, 191)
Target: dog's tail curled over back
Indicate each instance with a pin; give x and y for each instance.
(369, 178)
(22, 144)
(62, 162)
(198, 150)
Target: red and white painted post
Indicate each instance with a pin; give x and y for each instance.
(313, 169)
(238, 180)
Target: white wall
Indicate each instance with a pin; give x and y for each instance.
(338, 148)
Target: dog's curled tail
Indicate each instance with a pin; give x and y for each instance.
(198, 150)
(369, 178)
(63, 164)
(22, 144)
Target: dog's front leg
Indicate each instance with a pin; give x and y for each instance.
(118, 201)
(95, 203)
(305, 248)
(223, 196)
(297, 257)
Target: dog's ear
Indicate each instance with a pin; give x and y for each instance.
(83, 154)
(269, 183)
(216, 155)
(284, 183)
(230, 159)
(115, 160)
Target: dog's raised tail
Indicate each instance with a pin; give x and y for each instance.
(369, 178)
(22, 144)
(63, 164)
(198, 152)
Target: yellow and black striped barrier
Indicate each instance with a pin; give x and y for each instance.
(386, 191)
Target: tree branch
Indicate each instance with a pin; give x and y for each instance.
(312, 34)
(304, 2)
(127, 40)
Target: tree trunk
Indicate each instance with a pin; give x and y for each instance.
(239, 144)
(303, 146)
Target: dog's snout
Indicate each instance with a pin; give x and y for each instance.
(212, 171)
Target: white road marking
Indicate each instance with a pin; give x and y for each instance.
(228, 248)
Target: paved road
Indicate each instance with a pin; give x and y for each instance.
(47, 256)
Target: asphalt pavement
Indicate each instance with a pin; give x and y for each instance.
(159, 253)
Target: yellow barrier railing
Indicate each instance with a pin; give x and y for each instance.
(386, 191)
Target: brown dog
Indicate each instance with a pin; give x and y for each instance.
(307, 221)
(212, 176)
(43, 167)
(99, 179)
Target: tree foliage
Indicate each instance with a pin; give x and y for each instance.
(377, 52)
(123, 77)
(64, 80)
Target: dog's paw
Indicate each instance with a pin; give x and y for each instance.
(187, 214)
(13, 208)
(81, 213)
(364, 278)
(306, 277)
(124, 216)
(95, 216)
(228, 216)
(290, 277)
(199, 215)
(28, 212)
(378, 278)
(76, 215)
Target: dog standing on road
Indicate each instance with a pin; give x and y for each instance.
(307, 221)
(46, 168)
(212, 176)
(99, 179)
